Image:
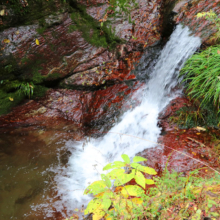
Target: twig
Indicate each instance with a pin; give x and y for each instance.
(203, 145)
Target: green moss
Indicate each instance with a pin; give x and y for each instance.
(36, 77)
(6, 104)
(36, 9)
(53, 76)
(39, 91)
(41, 30)
(13, 92)
(92, 31)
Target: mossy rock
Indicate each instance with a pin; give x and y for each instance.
(9, 100)
(29, 11)
(96, 33)
(12, 93)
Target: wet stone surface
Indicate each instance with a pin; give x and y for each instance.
(186, 14)
(183, 149)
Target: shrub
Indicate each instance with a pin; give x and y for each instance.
(202, 76)
(125, 200)
(213, 18)
(175, 196)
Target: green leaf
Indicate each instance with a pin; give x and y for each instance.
(93, 205)
(96, 187)
(197, 216)
(138, 159)
(114, 174)
(119, 164)
(124, 178)
(107, 195)
(144, 169)
(132, 190)
(108, 166)
(106, 180)
(106, 203)
(116, 164)
(149, 182)
(126, 158)
(98, 207)
(140, 179)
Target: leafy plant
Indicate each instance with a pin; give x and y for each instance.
(201, 74)
(113, 196)
(193, 115)
(212, 17)
(175, 196)
(27, 89)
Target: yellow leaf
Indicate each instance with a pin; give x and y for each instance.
(37, 42)
(198, 133)
(17, 32)
(11, 99)
(2, 12)
(7, 41)
(194, 153)
(132, 190)
(149, 182)
(137, 200)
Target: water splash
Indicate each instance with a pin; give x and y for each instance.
(85, 165)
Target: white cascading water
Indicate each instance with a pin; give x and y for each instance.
(85, 165)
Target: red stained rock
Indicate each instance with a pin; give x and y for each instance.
(62, 53)
(182, 150)
(69, 108)
(59, 52)
(201, 27)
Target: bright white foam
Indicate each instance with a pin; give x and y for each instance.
(86, 165)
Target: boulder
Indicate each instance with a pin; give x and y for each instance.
(186, 11)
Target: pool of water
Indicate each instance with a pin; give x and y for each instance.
(26, 158)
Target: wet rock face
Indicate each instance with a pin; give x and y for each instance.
(58, 54)
(181, 150)
(62, 52)
(71, 110)
(186, 12)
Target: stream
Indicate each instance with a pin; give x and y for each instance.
(60, 181)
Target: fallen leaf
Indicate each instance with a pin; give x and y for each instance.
(198, 133)
(7, 41)
(200, 128)
(11, 99)
(2, 12)
(194, 153)
(37, 42)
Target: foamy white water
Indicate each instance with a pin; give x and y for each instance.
(85, 165)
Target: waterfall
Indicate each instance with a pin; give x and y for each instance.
(85, 165)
